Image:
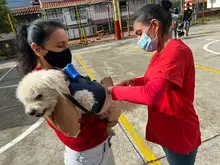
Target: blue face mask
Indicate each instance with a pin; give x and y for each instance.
(147, 44)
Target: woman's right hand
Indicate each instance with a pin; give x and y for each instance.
(129, 82)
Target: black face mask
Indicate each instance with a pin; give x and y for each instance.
(58, 59)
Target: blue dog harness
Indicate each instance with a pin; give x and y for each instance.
(78, 82)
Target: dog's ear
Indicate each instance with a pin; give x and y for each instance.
(57, 80)
(62, 70)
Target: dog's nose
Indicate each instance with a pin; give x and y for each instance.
(32, 112)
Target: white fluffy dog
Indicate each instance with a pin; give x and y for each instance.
(40, 91)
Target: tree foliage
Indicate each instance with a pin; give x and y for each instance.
(4, 22)
(175, 3)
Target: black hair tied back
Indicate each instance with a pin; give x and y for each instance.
(161, 12)
(27, 59)
(38, 32)
(166, 4)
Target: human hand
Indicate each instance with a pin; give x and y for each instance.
(109, 90)
(107, 82)
(130, 82)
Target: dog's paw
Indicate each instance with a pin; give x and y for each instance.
(103, 115)
(111, 124)
(111, 132)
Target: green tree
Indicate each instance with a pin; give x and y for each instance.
(176, 3)
(4, 22)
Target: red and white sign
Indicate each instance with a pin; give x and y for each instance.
(190, 3)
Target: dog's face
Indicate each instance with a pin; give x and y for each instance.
(38, 101)
(39, 91)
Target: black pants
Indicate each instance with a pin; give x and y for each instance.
(180, 159)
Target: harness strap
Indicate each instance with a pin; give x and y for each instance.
(71, 98)
(75, 102)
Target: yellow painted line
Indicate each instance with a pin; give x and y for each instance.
(197, 65)
(208, 69)
(214, 37)
(203, 67)
(146, 151)
(204, 32)
(87, 70)
(209, 36)
(136, 49)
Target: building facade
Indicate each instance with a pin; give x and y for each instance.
(80, 17)
(88, 15)
(25, 15)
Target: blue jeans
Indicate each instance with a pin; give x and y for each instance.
(180, 159)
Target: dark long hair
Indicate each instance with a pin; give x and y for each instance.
(161, 12)
(38, 32)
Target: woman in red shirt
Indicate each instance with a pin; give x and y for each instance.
(42, 45)
(167, 87)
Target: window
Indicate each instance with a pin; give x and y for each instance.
(55, 14)
(83, 13)
(51, 14)
(59, 14)
(98, 8)
(123, 4)
(72, 14)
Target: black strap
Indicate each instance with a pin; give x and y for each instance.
(56, 68)
(75, 102)
(71, 98)
(109, 142)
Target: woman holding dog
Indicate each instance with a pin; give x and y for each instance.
(167, 87)
(43, 45)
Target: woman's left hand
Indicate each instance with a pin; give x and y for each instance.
(109, 90)
(107, 82)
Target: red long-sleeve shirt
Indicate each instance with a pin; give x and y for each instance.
(168, 89)
(148, 94)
